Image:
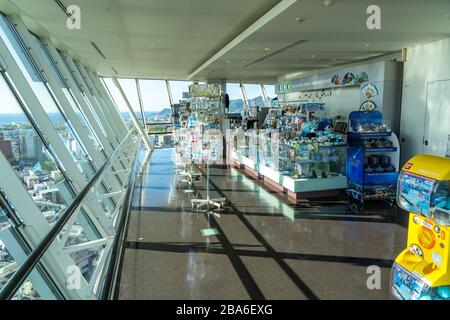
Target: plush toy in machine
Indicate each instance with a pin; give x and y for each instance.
(308, 130)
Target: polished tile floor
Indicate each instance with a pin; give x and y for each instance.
(266, 248)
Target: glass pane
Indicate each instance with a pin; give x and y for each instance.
(27, 292)
(86, 100)
(270, 91)
(47, 101)
(129, 87)
(33, 163)
(90, 133)
(236, 102)
(179, 89)
(82, 232)
(155, 98)
(55, 73)
(8, 266)
(254, 97)
(253, 91)
(10, 253)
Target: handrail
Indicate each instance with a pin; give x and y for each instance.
(35, 256)
(112, 271)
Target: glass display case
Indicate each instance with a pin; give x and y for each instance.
(310, 161)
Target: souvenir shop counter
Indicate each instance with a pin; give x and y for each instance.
(295, 189)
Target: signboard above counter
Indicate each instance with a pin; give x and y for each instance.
(372, 86)
(351, 76)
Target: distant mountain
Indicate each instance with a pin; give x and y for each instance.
(164, 113)
(236, 106)
(256, 102)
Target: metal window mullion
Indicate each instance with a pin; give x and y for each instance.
(110, 98)
(111, 106)
(34, 227)
(95, 105)
(19, 254)
(79, 98)
(104, 108)
(244, 94)
(263, 92)
(139, 128)
(141, 104)
(61, 66)
(77, 180)
(36, 54)
(97, 157)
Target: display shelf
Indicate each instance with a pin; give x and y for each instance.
(384, 162)
(386, 178)
(368, 135)
(381, 150)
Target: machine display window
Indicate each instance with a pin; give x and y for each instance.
(425, 196)
(415, 193)
(440, 201)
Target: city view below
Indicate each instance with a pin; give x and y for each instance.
(46, 185)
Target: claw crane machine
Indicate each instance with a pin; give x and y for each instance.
(422, 270)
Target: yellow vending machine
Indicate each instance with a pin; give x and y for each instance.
(422, 271)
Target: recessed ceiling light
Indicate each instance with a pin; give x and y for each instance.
(267, 49)
(367, 45)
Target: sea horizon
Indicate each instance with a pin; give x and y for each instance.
(7, 118)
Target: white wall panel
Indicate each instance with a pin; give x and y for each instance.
(425, 64)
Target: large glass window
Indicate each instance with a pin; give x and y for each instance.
(179, 90)
(254, 97)
(236, 102)
(67, 92)
(270, 91)
(86, 100)
(130, 90)
(47, 100)
(156, 101)
(34, 164)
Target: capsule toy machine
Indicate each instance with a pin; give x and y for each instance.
(422, 270)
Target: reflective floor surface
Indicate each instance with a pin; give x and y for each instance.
(266, 248)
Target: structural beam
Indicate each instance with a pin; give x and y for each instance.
(266, 18)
